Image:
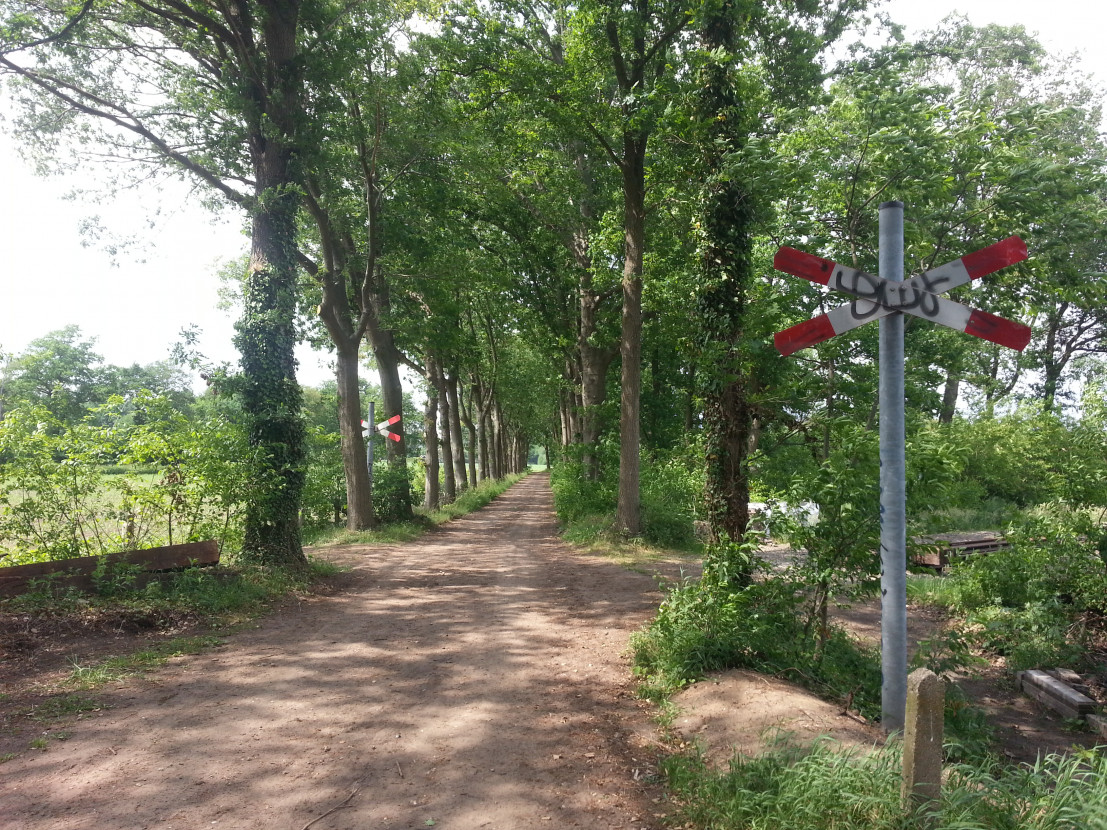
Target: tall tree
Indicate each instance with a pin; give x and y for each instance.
(217, 92)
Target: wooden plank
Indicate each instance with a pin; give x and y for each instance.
(947, 547)
(77, 573)
(1055, 694)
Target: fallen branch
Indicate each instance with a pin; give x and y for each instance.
(334, 809)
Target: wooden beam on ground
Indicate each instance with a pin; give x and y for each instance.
(77, 573)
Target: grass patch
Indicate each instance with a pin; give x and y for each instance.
(114, 669)
(57, 707)
(927, 589)
(826, 788)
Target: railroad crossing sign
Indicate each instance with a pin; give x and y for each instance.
(382, 428)
(877, 297)
(887, 298)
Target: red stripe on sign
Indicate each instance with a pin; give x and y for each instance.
(393, 437)
(799, 264)
(805, 334)
(994, 257)
(997, 330)
(393, 419)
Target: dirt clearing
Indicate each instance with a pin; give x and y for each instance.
(474, 679)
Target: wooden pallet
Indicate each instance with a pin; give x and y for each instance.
(77, 573)
(944, 548)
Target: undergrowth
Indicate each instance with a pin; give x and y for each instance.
(727, 620)
(468, 501)
(828, 788)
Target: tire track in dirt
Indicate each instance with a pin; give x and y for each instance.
(474, 679)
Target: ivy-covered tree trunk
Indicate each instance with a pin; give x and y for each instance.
(270, 393)
(726, 270)
(266, 335)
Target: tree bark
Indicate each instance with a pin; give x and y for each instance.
(266, 335)
(457, 442)
(466, 412)
(449, 482)
(431, 494)
(628, 514)
(359, 496)
(949, 396)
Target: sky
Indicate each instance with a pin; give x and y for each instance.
(135, 303)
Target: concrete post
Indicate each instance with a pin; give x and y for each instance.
(922, 743)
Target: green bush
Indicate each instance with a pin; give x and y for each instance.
(576, 497)
(670, 493)
(671, 499)
(57, 502)
(725, 621)
(1053, 556)
(391, 493)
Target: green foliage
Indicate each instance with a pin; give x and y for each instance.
(324, 495)
(391, 492)
(1053, 557)
(1030, 457)
(671, 495)
(828, 788)
(724, 621)
(57, 501)
(671, 499)
(840, 559)
(1031, 603)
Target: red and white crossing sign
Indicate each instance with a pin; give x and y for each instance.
(877, 297)
(383, 426)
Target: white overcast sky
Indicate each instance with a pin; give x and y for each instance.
(136, 307)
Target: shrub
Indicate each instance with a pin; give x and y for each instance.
(671, 495)
(391, 493)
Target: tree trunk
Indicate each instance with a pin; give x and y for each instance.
(359, 497)
(628, 515)
(449, 482)
(482, 430)
(271, 396)
(430, 428)
(726, 273)
(466, 412)
(499, 467)
(949, 396)
(457, 442)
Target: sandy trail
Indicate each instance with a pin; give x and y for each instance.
(474, 679)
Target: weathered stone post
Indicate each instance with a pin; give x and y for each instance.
(922, 742)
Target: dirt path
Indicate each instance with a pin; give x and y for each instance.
(475, 679)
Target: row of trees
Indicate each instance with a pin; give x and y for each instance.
(515, 197)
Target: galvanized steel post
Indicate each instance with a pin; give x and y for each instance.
(369, 443)
(893, 485)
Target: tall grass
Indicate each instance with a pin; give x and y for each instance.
(830, 789)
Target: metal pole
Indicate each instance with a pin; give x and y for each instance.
(893, 485)
(369, 444)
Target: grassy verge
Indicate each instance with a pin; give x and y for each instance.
(467, 501)
(829, 789)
